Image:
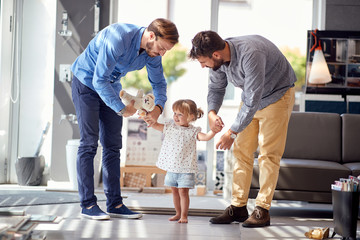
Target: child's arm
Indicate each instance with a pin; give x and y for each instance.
(158, 126)
(205, 136)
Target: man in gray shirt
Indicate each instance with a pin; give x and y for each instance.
(255, 65)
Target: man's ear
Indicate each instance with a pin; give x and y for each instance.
(216, 55)
(152, 36)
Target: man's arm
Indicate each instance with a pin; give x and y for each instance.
(216, 90)
(105, 65)
(159, 86)
(157, 80)
(215, 97)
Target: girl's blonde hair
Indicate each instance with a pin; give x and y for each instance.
(188, 107)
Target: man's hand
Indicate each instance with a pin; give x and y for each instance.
(225, 141)
(151, 117)
(130, 109)
(215, 122)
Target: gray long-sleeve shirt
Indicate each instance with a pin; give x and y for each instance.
(257, 67)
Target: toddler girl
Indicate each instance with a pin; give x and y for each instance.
(178, 153)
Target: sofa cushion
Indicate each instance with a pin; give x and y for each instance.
(354, 167)
(305, 175)
(314, 136)
(351, 137)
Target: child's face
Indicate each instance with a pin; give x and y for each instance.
(180, 118)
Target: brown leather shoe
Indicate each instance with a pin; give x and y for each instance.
(231, 214)
(259, 218)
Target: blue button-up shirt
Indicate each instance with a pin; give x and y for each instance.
(111, 54)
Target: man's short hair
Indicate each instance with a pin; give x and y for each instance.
(164, 29)
(205, 43)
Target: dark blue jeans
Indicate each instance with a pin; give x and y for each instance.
(96, 120)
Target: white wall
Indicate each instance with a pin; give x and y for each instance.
(283, 22)
(141, 12)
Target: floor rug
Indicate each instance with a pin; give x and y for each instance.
(15, 198)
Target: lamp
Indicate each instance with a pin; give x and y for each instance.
(319, 72)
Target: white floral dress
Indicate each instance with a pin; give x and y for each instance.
(178, 150)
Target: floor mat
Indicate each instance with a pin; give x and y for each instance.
(15, 198)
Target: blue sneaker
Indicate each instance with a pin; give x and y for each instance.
(94, 213)
(123, 212)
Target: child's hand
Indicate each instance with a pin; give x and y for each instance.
(151, 117)
(140, 116)
(143, 117)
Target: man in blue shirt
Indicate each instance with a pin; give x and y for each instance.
(113, 52)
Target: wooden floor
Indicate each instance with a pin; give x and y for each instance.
(289, 220)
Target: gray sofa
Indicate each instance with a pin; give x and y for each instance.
(320, 148)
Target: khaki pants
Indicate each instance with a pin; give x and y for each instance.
(268, 130)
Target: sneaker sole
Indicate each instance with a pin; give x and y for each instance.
(131, 216)
(103, 217)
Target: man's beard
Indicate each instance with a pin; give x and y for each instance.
(217, 64)
(149, 47)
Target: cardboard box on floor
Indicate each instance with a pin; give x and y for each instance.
(138, 176)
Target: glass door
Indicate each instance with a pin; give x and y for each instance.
(6, 18)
